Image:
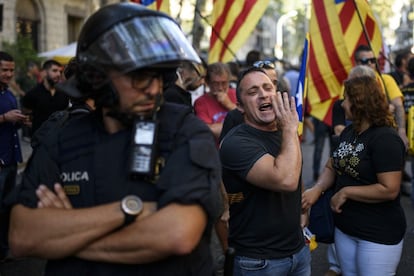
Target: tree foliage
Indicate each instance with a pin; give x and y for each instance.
(22, 51)
(383, 10)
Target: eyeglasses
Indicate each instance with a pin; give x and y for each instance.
(366, 61)
(265, 64)
(141, 80)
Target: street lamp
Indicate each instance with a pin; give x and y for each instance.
(279, 32)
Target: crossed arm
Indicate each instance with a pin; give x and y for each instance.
(56, 230)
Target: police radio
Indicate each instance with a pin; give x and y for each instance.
(143, 150)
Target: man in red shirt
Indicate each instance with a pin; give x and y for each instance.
(213, 106)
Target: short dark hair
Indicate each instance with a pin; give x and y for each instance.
(243, 74)
(49, 63)
(6, 57)
(253, 56)
(234, 68)
(31, 64)
(410, 67)
(400, 56)
(361, 48)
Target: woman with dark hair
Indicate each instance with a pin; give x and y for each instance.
(366, 169)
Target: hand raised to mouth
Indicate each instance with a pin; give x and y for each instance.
(285, 110)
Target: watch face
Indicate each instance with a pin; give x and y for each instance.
(132, 205)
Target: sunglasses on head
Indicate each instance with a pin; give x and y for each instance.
(368, 60)
(265, 64)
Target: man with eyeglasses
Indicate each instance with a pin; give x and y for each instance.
(213, 106)
(365, 56)
(123, 190)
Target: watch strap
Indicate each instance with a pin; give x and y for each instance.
(128, 219)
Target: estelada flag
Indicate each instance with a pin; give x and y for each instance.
(232, 23)
(158, 5)
(301, 88)
(337, 28)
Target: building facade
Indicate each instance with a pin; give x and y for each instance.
(49, 23)
(53, 24)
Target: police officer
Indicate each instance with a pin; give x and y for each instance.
(131, 188)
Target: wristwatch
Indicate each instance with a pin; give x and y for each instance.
(131, 206)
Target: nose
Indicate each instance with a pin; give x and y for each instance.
(9, 73)
(263, 93)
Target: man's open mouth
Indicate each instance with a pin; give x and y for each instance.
(265, 106)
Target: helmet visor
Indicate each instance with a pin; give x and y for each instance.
(138, 43)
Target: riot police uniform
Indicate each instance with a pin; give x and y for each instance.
(93, 168)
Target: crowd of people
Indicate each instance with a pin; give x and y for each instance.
(142, 153)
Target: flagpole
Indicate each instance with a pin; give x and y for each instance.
(218, 35)
(370, 46)
(178, 17)
(365, 34)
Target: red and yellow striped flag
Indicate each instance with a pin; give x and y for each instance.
(158, 5)
(232, 23)
(336, 28)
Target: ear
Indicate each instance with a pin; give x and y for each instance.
(240, 107)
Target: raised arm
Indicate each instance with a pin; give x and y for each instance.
(281, 173)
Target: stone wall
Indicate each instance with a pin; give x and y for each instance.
(52, 17)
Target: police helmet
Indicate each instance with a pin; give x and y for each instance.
(127, 37)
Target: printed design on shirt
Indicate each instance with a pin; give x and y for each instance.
(346, 157)
(219, 117)
(235, 198)
(408, 93)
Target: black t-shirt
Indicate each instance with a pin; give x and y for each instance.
(92, 165)
(357, 160)
(408, 92)
(338, 114)
(43, 104)
(338, 118)
(233, 118)
(263, 223)
(176, 94)
(398, 76)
